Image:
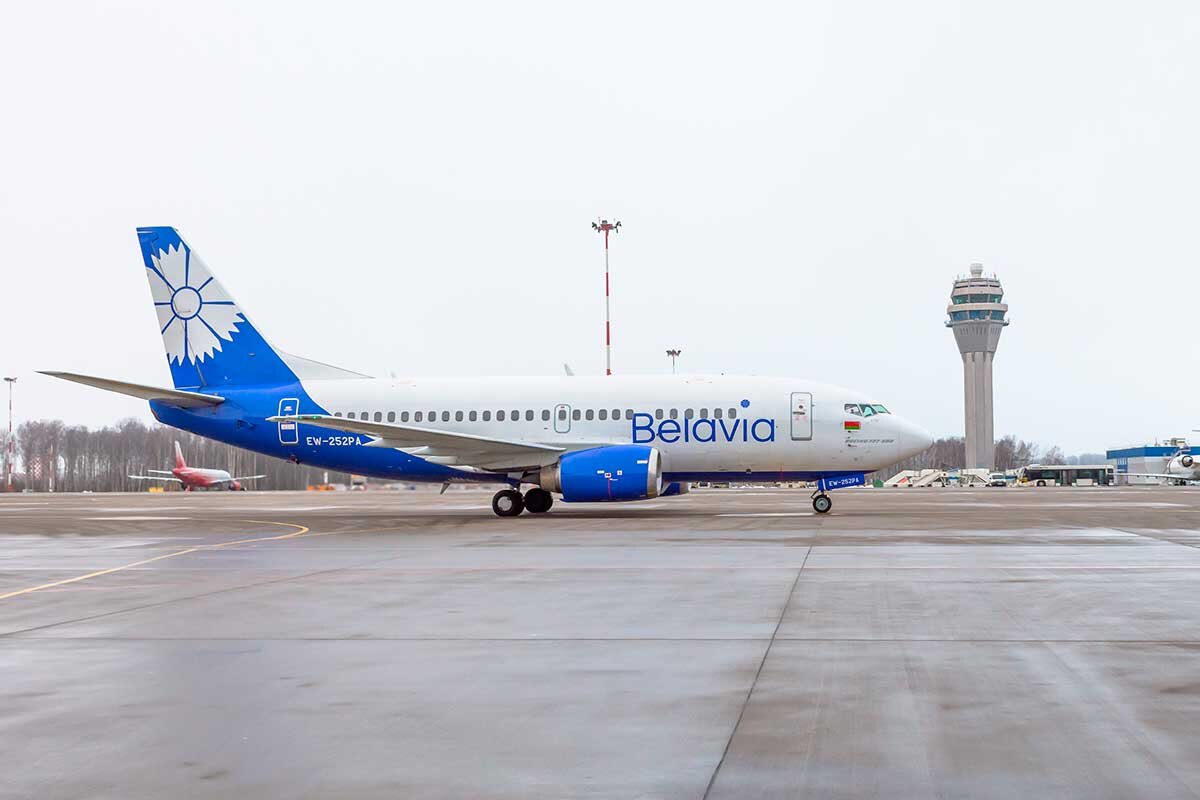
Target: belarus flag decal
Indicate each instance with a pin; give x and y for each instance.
(852, 425)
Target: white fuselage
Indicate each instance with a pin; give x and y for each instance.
(700, 424)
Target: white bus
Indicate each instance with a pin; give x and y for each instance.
(1067, 475)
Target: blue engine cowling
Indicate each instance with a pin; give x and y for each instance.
(603, 474)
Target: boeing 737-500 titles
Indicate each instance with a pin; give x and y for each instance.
(582, 439)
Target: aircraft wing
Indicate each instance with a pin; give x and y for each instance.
(247, 477)
(445, 447)
(176, 397)
(1155, 475)
(153, 478)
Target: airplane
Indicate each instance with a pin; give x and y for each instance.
(1182, 469)
(196, 477)
(580, 438)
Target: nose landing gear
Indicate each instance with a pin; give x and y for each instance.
(822, 503)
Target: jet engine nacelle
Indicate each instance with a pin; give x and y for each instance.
(1187, 461)
(601, 474)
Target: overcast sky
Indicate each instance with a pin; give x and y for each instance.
(409, 189)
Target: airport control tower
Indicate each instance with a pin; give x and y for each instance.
(977, 315)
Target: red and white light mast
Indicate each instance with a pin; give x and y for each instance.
(606, 227)
(9, 445)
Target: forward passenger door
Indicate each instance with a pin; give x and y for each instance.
(801, 416)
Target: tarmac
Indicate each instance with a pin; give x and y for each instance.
(914, 643)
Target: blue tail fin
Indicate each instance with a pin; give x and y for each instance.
(208, 338)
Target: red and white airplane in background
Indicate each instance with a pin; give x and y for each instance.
(196, 477)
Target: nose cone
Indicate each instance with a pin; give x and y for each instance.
(911, 438)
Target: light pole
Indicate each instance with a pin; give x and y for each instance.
(673, 354)
(606, 227)
(8, 460)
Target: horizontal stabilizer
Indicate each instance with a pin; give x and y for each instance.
(175, 397)
(154, 478)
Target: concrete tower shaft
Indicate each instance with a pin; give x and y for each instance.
(977, 314)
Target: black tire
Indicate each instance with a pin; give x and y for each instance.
(822, 503)
(508, 503)
(538, 501)
(1041, 483)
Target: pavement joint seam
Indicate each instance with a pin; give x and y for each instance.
(758, 673)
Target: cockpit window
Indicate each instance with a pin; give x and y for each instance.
(879, 409)
(853, 408)
(868, 410)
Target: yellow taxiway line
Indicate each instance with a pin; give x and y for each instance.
(300, 531)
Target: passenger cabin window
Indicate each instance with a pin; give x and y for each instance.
(688, 413)
(500, 415)
(629, 413)
(365, 415)
(575, 415)
(717, 413)
(674, 413)
(418, 416)
(404, 416)
(487, 416)
(379, 416)
(562, 413)
(445, 416)
(733, 413)
(704, 413)
(337, 413)
(658, 413)
(545, 415)
(616, 413)
(391, 416)
(589, 415)
(603, 414)
(458, 416)
(529, 415)
(473, 416)
(516, 416)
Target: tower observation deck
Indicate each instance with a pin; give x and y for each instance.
(977, 315)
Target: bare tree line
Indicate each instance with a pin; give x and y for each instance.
(53, 456)
(72, 458)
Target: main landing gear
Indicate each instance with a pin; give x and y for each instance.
(822, 503)
(510, 503)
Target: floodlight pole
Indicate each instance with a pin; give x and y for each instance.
(673, 354)
(606, 227)
(8, 460)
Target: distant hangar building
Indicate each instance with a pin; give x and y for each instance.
(1145, 459)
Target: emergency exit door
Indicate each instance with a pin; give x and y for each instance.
(801, 416)
(562, 419)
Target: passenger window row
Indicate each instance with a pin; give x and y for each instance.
(529, 415)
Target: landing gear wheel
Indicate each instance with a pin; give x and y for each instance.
(822, 504)
(538, 501)
(508, 503)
